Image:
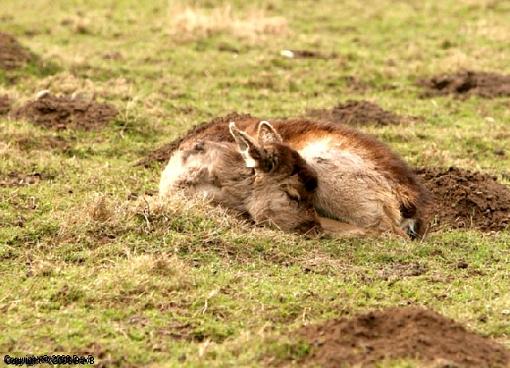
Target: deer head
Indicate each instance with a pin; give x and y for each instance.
(283, 185)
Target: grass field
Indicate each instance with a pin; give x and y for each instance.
(88, 266)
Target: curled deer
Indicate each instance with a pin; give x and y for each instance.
(266, 180)
(345, 181)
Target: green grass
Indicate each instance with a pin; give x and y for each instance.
(87, 268)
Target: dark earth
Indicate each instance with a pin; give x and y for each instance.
(12, 54)
(5, 105)
(64, 112)
(357, 113)
(398, 333)
(468, 82)
(466, 199)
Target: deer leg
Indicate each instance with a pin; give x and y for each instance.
(335, 227)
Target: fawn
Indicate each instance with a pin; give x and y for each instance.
(361, 185)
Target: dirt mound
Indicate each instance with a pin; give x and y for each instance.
(466, 199)
(357, 113)
(12, 54)
(5, 105)
(468, 82)
(65, 112)
(162, 154)
(398, 333)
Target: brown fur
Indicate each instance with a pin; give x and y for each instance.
(279, 192)
(412, 196)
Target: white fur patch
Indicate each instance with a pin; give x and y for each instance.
(326, 148)
(176, 171)
(249, 161)
(316, 148)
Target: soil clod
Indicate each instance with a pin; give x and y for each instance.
(55, 112)
(357, 113)
(466, 199)
(464, 83)
(12, 54)
(462, 265)
(399, 333)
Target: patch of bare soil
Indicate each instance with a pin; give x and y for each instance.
(399, 333)
(12, 54)
(466, 199)
(5, 105)
(357, 113)
(66, 113)
(464, 83)
(15, 179)
(214, 127)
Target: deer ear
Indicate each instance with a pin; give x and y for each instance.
(268, 134)
(249, 149)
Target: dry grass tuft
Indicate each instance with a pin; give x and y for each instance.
(136, 278)
(101, 209)
(77, 24)
(182, 225)
(190, 22)
(42, 268)
(137, 269)
(104, 218)
(156, 212)
(100, 219)
(490, 30)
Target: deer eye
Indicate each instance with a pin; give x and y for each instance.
(271, 163)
